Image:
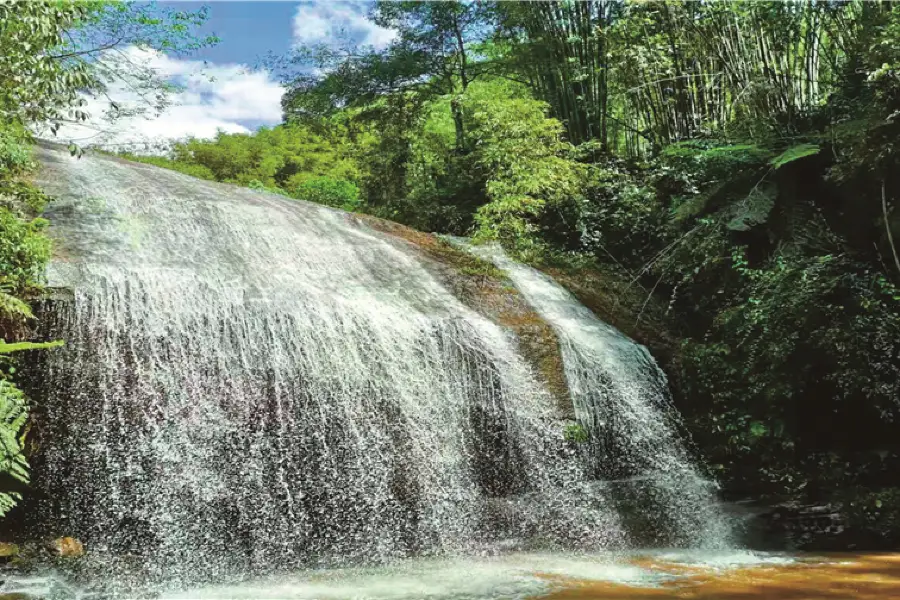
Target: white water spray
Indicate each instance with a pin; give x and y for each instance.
(252, 383)
(621, 397)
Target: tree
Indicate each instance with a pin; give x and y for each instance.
(435, 54)
(443, 36)
(56, 53)
(36, 86)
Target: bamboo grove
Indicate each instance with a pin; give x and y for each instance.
(638, 76)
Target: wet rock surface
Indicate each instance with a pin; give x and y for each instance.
(66, 547)
(8, 550)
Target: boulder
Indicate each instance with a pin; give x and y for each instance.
(8, 551)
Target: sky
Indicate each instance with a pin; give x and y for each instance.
(226, 87)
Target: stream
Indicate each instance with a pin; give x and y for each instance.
(686, 575)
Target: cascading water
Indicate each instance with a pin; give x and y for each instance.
(252, 383)
(621, 397)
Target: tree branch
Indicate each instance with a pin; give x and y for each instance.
(887, 227)
(108, 46)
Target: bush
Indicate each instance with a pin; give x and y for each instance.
(15, 153)
(621, 217)
(24, 251)
(337, 193)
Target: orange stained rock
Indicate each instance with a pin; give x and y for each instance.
(835, 577)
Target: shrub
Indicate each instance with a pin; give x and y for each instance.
(24, 250)
(337, 193)
(15, 154)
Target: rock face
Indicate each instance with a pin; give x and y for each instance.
(488, 291)
(66, 547)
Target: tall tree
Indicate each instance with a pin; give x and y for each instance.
(443, 35)
(55, 53)
(435, 53)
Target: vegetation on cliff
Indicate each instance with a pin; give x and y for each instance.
(52, 53)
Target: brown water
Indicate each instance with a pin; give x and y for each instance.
(652, 575)
(827, 577)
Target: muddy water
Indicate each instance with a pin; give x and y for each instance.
(650, 575)
(831, 577)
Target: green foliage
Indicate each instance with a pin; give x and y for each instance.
(293, 160)
(44, 87)
(621, 215)
(22, 197)
(147, 25)
(15, 154)
(794, 153)
(338, 193)
(527, 167)
(13, 309)
(24, 250)
(53, 53)
(753, 210)
(576, 433)
(13, 464)
(874, 510)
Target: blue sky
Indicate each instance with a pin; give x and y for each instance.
(226, 87)
(249, 30)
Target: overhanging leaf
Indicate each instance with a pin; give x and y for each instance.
(6, 348)
(794, 153)
(752, 210)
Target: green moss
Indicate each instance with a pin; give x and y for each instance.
(575, 433)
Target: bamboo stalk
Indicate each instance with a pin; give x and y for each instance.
(887, 227)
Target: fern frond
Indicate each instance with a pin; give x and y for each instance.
(13, 464)
(752, 210)
(794, 153)
(8, 501)
(10, 306)
(6, 348)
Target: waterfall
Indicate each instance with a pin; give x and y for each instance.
(253, 383)
(621, 397)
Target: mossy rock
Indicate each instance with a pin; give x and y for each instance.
(8, 550)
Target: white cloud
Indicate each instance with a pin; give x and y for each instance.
(335, 21)
(213, 97)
